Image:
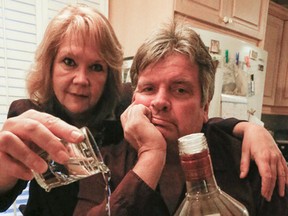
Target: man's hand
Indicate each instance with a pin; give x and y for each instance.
(147, 140)
(259, 145)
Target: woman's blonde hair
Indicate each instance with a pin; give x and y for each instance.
(90, 26)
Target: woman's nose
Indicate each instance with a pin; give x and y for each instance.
(81, 77)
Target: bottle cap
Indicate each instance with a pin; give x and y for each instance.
(192, 143)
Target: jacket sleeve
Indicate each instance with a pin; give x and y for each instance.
(17, 107)
(226, 125)
(130, 194)
(8, 198)
(132, 197)
(225, 151)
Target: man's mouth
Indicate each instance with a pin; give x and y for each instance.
(159, 122)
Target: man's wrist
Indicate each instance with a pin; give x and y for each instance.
(149, 166)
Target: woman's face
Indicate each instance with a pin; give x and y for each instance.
(79, 76)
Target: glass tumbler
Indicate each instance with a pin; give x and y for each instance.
(85, 160)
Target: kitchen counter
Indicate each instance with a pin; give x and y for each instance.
(275, 122)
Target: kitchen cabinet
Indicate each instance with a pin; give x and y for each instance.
(134, 20)
(275, 99)
(244, 17)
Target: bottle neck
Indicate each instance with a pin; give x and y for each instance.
(199, 174)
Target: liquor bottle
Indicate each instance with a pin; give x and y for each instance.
(203, 196)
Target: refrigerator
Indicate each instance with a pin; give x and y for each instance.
(240, 76)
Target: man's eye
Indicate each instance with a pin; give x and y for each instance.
(97, 67)
(181, 90)
(69, 62)
(147, 89)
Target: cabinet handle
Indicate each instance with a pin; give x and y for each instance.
(227, 20)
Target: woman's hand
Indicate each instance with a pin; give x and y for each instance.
(22, 136)
(259, 145)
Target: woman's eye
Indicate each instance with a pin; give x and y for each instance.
(97, 67)
(69, 62)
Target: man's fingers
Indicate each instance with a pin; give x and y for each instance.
(282, 176)
(268, 175)
(245, 162)
(244, 166)
(266, 187)
(285, 167)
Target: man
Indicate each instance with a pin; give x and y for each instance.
(173, 75)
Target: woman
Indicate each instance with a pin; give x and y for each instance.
(76, 77)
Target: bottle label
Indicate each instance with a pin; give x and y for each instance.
(196, 166)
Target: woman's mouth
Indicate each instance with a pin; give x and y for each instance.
(79, 95)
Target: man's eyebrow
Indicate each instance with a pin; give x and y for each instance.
(182, 81)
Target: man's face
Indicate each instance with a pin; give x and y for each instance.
(171, 89)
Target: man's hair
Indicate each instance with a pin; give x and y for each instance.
(176, 36)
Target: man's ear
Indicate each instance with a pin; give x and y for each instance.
(133, 98)
(206, 111)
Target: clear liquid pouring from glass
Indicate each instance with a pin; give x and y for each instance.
(85, 160)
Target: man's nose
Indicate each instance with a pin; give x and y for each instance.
(161, 102)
